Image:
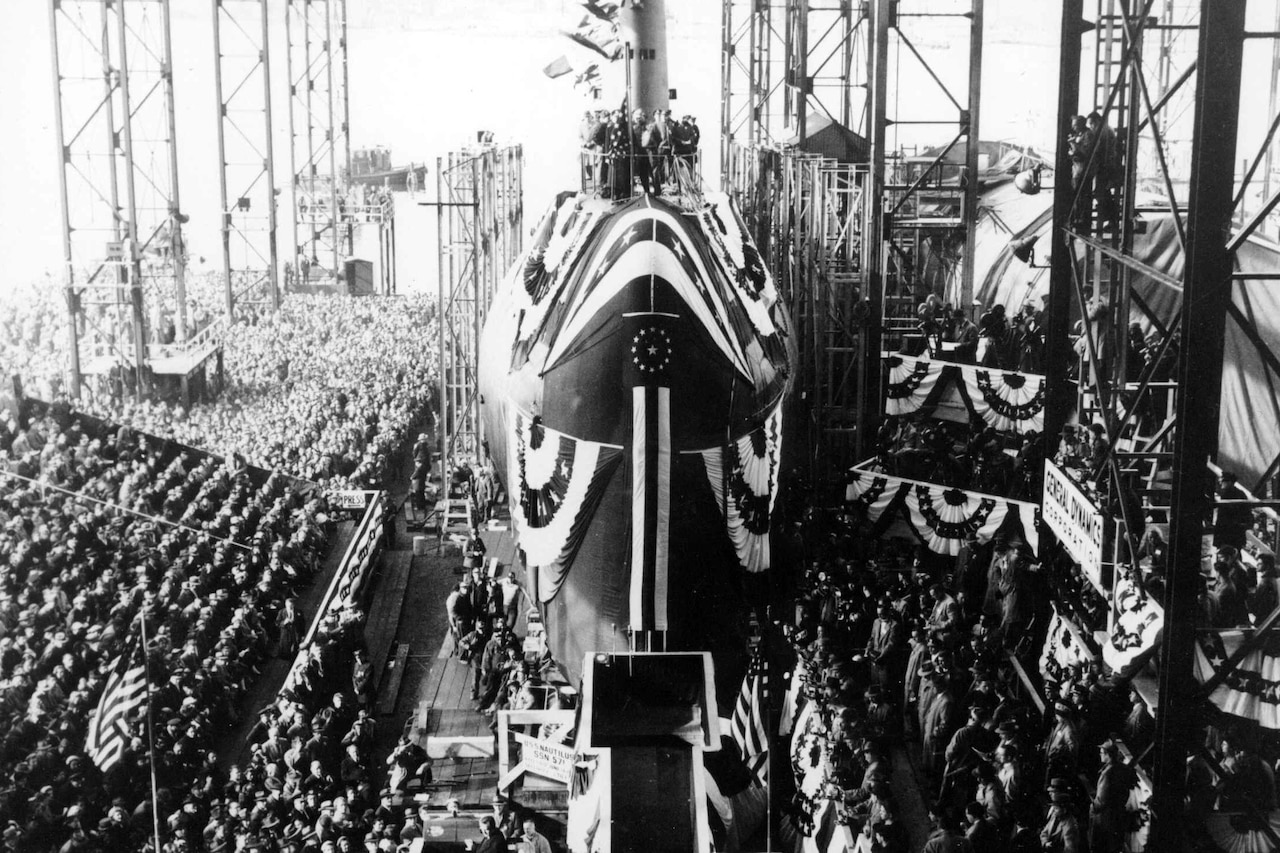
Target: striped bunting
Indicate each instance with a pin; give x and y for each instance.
(747, 726)
(126, 691)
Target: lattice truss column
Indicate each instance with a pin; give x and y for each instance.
(246, 170)
(320, 151)
(781, 62)
(783, 67)
(1162, 308)
(480, 232)
(1125, 232)
(122, 221)
(927, 86)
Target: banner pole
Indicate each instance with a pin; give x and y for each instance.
(151, 743)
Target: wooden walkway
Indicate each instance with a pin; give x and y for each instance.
(446, 722)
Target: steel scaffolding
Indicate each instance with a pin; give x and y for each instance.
(320, 151)
(1174, 144)
(118, 183)
(805, 214)
(782, 63)
(480, 233)
(246, 167)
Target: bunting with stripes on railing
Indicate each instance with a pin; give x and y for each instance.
(912, 383)
(1251, 691)
(942, 517)
(1009, 401)
(1063, 649)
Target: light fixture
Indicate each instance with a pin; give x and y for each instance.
(1024, 249)
(1028, 180)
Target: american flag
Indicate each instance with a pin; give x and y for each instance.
(126, 691)
(747, 726)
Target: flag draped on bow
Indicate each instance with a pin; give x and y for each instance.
(559, 480)
(747, 491)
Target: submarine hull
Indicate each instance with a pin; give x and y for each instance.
(633, 370)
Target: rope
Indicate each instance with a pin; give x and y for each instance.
(117, 506)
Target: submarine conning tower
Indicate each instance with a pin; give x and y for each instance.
(643, 24)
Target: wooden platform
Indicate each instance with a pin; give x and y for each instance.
(446, 722)
(384, 615)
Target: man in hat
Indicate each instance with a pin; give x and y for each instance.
(1062, 746)
(939, 725)
(505, 818)
(885, 644)
(925, 693)
(408, 761)
(912, 680)
(968, 748)
(882, 717)
(944, 619)
(878, 770)
(1108, 817)
(1061, 830)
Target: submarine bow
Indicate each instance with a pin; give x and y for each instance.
(633, 370)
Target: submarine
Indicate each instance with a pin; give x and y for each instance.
(634, 366)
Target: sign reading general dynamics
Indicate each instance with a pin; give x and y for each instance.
(1075, 521)
(546, 759)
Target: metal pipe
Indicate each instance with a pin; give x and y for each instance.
(334, 214)
(68, 271)
(969, 215)
(441, 319)
(273, 249)
(293, 139)
(134, 259)
(873, 228)
(224, 213)
(177, 245)
(479, 288)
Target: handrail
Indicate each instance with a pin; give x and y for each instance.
(614, 175)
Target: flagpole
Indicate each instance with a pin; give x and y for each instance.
(768, 761)
(151, 750)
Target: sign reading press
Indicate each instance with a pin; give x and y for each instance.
(1075, 521)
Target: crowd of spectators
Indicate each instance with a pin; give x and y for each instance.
(971, 456)
(105, 529)
(324, 389)
(989, 338)
(918, 651)
(107, 525)
(654, 151)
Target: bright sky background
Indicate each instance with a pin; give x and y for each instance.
(425, 74)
